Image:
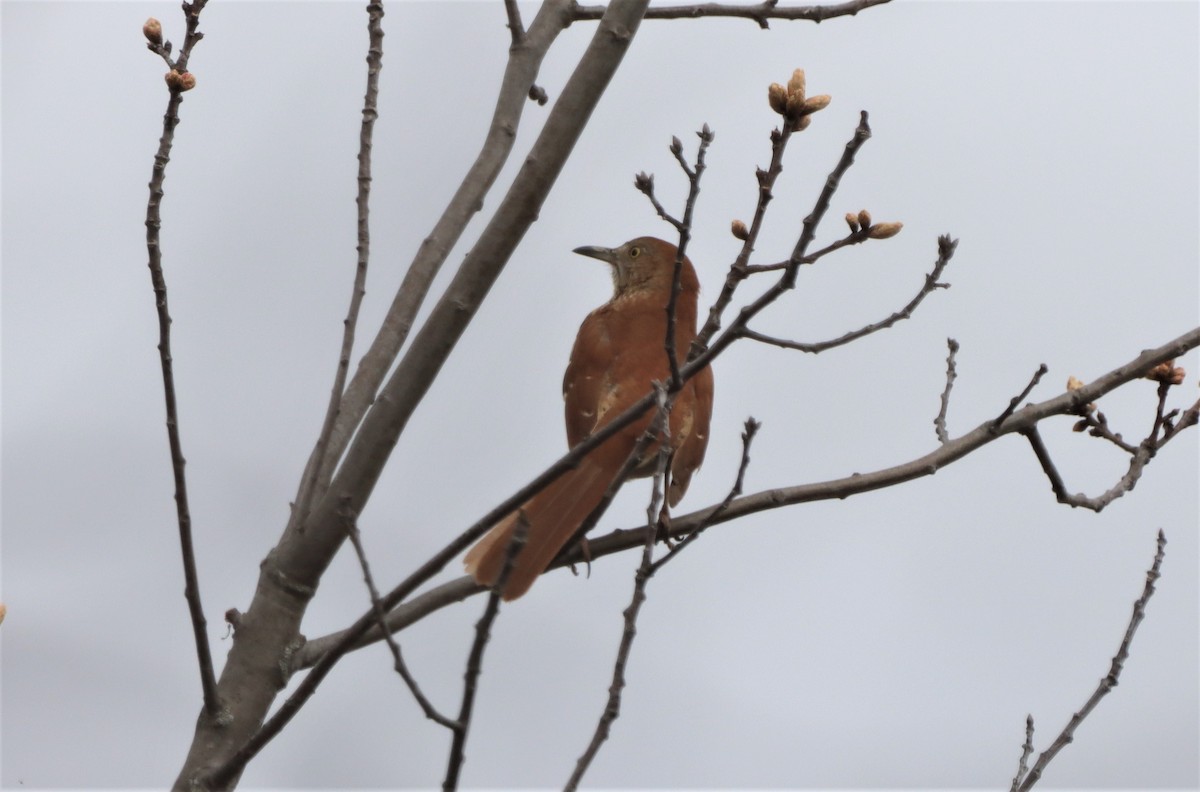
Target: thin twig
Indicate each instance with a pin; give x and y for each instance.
(612, 707)
(939, 423)
(706, 136)
(946, 247)
(809, 229)
(1020, 397)
(514, 22)
(748, 432)
(381, 618)
(315, 651)
(853, 238)
(738, 270)
(1026, 750)
(363, 202)
(1097, 426)
(1164, 388)
(208, 681)
(761, 13)
(483, 630)
(1114, 671)
(644, 183)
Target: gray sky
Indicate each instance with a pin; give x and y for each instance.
(895, 639)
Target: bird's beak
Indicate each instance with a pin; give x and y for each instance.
(602, 253)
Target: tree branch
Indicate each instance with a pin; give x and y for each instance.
(191, 591)
(946, 247)
(290, 572)
(1107, 683)
(524, 61)
(366, 133)
(685, 235)
(398, 663)
(939, 423)
(483, 630)
(761, 13)
(612, 708)
(621, 540)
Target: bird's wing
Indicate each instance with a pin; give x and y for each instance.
(586, 383)
(696, 414)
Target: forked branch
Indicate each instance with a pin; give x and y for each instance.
(1107, 683)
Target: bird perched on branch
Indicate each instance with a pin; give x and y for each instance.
(619, 352)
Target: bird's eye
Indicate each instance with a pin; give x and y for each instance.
(634, 252)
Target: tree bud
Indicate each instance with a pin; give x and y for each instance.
(795, 85)
(814, 103)
(777, 96)
(739, 230)
(152, 30)
(884, 230)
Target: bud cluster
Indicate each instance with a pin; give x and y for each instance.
(1167, 372)
(180, 81)
(792, 104)
(862, 222)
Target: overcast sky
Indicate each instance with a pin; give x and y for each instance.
(897, 639)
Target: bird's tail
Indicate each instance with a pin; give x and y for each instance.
(554, 514)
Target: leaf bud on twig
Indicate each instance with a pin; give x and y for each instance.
(814, 103)
(152, 30)
(180, 81)
(864, 218)
(884, 230)
(852, 221)
(796, 85)
(777, 96)
(739, 230)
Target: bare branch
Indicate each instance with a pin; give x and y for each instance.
(518, 82)
(1026, 750)
(946, 247)
(861, 134)
(208, 681)
(706, 136)
(381, 618)
(1020, 397)
(1140, 455)
(853, 238)
(761, 13)
(292, 569)
(514, 22)
(366, 134)
(939, 423)
(612, 708)
(483, 630)
(748, 433)
(1067, 403)
(644, 183)
(1097, 426)
(738, 271)
(1110, 680)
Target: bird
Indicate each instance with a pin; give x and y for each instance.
(619, 352)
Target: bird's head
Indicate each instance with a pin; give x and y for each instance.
(644, 264)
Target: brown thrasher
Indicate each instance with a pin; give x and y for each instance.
(619, 351)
